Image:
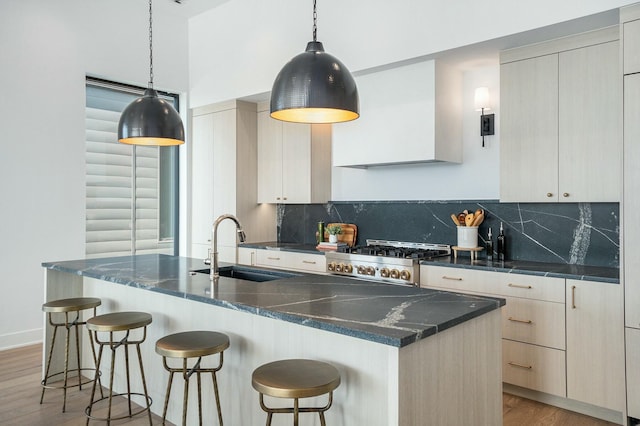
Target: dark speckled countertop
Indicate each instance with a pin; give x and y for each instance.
(559, 270)
(383, 313)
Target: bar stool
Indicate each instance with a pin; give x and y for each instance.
(67, 307)
(192, 344)
(295, 378)
(112, 323)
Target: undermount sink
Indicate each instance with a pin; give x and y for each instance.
(249, 274)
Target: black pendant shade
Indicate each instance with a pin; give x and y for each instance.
(150, 120)
(315, 87)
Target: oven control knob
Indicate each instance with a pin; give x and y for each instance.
(384, 272)
(331, 266)
(395, 273)
(348, 268)
(361, 270)
(370, 271)
(405, 275)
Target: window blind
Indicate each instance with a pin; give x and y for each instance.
(122, 183)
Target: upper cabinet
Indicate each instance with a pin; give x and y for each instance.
(223, 178)
(294, 161)
(408, 114)
(561, 120)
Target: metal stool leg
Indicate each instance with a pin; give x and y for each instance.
(46, 373)
(168, 393)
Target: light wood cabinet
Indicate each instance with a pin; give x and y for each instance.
(631, 201)
(533, 327)
(529, 129)
(294, 161)
(631, 46)
(561, 337)
(296, 261)
(595, 344)
(534, 367)
(630, 21)
(223, 179)
(633, 372)
(560, 126)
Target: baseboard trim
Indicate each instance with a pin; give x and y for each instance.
(21, 338)
(565, 403)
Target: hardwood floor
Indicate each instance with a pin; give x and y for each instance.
(20, 375)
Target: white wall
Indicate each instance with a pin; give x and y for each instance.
(236, 50)
(47, 49)
(477, 177)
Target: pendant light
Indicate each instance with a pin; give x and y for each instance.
(150, 120)
(315, 87)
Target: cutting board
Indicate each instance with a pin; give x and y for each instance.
(348, 236)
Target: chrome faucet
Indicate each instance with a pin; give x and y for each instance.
(214, 273)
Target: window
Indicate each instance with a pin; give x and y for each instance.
(131, 191)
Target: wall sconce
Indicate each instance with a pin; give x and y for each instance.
(482, 103)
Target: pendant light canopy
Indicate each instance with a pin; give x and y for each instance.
(315, 87)
(150, 120)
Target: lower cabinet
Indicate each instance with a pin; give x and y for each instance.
(296, 261)
(633, 372)
(561, 337)
(534, 367)
(595, 344)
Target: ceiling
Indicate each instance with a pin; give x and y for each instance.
(190, 8)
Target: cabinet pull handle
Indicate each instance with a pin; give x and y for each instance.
(573, 297)
(518, 285)
(273, 258)
(519, 320)
(565, 194)
(549, 194)
(444, 277)
(309, 262)
(515, 364)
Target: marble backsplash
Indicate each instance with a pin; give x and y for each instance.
(571, 233)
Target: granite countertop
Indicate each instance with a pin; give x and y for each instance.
(389, 314)
(559, 270)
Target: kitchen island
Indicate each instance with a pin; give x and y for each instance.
(407, 356)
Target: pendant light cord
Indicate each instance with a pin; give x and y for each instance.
(315, 19)
(151, 45)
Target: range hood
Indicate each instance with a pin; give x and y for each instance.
(409, 114)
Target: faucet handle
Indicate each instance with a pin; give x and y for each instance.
(207, 261)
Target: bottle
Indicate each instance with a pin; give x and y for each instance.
(489, 245)
(502, 249)
(320, 233)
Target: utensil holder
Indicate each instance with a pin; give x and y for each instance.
(468, 236)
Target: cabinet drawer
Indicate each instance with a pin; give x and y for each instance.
(533, 321)
(534, 367)
(291, 260)
(489, 282)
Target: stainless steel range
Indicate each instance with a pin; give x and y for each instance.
(395, 262)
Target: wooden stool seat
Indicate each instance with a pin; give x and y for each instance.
(192, 344)
(66, 307)
(295, 378)
(119, 322)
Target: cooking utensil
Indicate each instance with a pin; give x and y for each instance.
(455, 220)
(468, 219)
(477, 220)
